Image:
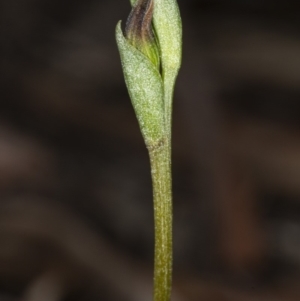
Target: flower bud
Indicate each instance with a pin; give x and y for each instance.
(139, 31)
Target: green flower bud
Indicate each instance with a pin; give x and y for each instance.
(139, 31)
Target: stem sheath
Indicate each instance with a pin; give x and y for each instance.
(169, 83)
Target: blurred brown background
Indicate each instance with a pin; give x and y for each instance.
(75, 190)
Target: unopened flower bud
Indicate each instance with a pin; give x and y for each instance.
(139, 31)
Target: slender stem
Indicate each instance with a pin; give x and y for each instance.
(160, 158)
(162, 195)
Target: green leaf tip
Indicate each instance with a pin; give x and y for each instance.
(139, 31)
(168, 28)
(145, 87)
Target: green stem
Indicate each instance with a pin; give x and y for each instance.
(160, 158)
(162, 195)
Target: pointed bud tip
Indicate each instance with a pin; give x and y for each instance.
(139, 31)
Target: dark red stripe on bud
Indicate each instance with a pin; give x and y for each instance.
(139, 31)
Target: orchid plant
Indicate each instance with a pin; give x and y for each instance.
(150, 51)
